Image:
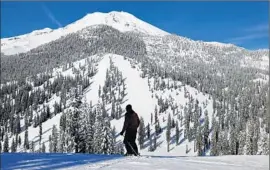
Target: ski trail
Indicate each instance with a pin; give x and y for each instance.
(98, 80)
(139, 95)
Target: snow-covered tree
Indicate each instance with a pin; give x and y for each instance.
(142, 134)
(40, 132)
(168, 133)
(26, 141)
(43, 149)
(54, 139)
(13, 146)
(177, 133)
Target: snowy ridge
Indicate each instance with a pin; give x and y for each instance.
(121, 21)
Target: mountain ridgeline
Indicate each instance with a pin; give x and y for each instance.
(101, 39)
(69, 95)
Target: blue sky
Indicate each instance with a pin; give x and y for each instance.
(241, 23)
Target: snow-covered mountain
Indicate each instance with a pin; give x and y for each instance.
(121, 21)
(64, 90)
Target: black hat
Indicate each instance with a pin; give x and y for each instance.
(128, 107)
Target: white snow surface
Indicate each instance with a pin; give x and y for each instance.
(183, 163)
(121, 21)
(117, 162)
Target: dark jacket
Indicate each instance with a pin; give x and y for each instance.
(132, 121)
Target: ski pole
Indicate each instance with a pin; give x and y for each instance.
(132, 148)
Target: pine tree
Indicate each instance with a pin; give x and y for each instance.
(32, 148)
(98, 130)
(151, 118)
(249, 138)
(54, 139)
(40, 132)
(75, 129)
(177, 133)
(168, 133)
(18, 125)
(107, 140)
(206, 131)
(43, 149)
(61, 142)
(156, 116)
(113, 110)
(148, 131)
(26, 141)
(155, 142)
(151, 147)
(141, 136)
(113, 141)
(199, 141)
(13, 146)
(50, 144)
(233, 141)
(63, 121)
(214, 139)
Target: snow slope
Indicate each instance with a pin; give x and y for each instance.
(144, 101)
(116, 162)
(121, 21)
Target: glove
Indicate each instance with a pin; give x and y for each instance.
(121, 133)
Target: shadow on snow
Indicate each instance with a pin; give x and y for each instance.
(48, 161)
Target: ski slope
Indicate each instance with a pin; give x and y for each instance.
(117, 162)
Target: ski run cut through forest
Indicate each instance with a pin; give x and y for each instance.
(202, 105)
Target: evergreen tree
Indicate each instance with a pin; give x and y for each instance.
(249, 138)
(18, 125)
(142, 134)
(168, 133)
(107, 140)
(13, 146)
(155, 142)
(156, 116)
(43, 149)
(75, 126)
(113, 141)
(40, 133)
(98, 130)
(113, 110)
(54, 139)
(177, 133)
(26, 141)
(148, 131)
(151, 118)
(214, 139)
(32, 147)
(206, 131)
(151, 147)
(50, 144)
(199, 141)
(61, 142)
(63, 121)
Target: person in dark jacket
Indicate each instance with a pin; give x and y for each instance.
(130, 126)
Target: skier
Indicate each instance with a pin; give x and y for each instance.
(130, 126)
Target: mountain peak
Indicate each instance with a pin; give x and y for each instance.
(121, 21)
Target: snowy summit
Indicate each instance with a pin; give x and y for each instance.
(121, 21)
